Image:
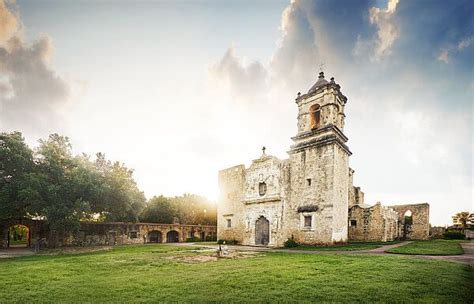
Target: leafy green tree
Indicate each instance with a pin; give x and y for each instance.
(120, 196)
(64, 194)
(188, 209)
(194, 210)
(19, 182)
(159, 209)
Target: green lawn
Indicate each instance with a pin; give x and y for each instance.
(431, 247)
(21, 242)
(149, 273)
(351, 246)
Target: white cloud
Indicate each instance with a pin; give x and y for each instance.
(245, 81)
(444, 56)
(387, 29)
(451, 49)
(31, 92)
(466, 42)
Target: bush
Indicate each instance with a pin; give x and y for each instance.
(290, 243)
(454, 235)
(193, 239)
(228, 242)
(210, 238)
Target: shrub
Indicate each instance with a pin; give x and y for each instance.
(210, 238)
(228, 242)
(193, 239)
(290, 243)
(454, 235)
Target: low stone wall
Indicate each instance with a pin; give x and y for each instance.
(112, 233)
(437, 232)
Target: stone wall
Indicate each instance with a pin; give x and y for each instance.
(376, 223)
(437, 232)
(113, 233)
(356, 196)
(317, 164)
(419, 229)
(230, 207)
(340, 194)
(120, 233)
(37, 230)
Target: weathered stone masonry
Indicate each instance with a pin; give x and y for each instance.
(310, 196)
(112, 233)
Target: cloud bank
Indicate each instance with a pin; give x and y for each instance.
(31, 92)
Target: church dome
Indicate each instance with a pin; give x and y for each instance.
(321, 82)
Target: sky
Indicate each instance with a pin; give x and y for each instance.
(178, 90)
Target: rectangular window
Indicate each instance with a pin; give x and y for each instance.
(353, 223)
(308, 181)
(229, 223)
(307, 221)
(133, 235)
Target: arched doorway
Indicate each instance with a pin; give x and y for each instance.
(155, 236)
(172, 236)
(19, 236)
(262, 231)
(407, 222)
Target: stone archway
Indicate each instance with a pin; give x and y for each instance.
(262, 231)
(155, 236)
(172, 237)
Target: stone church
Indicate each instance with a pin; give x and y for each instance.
(310, 196)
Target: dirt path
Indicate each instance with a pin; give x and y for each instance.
(15, 252)
(386, 247)
(467, 257)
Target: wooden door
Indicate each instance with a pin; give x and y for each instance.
(262, 231)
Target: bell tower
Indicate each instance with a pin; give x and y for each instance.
(321, 107)
(319, 160)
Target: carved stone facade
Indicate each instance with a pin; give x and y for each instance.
(310, 196)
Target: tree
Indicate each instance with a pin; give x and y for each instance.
(19, 182)
(463, 219)
(188, 209)
(62, 188)
(120, 196)
(64, 193)
(195, 210)
(159, 209)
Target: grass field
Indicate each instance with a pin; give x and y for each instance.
(431, 247)
(17, 243)
(153, 273)
(347, 247)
